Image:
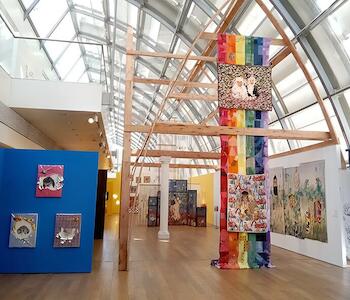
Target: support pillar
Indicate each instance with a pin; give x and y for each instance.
(163, 233)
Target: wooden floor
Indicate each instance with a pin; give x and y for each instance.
(181, 269)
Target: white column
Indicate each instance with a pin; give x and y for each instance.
(163, 233)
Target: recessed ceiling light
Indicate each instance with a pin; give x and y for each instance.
(108, 156)
(91, 120)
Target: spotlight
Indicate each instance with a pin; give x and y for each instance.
(91, 120)
(117, 202)
(115, 196)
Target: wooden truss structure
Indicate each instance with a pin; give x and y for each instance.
(325, 138)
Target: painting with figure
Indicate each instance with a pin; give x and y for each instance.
(192, 207)
(276, 200)
(247, 200)
(23, 230)
(313, 200)
(145, 192)
(244, 87)
(67, 231)
(49, 181)
(178, 208)
(292, 211)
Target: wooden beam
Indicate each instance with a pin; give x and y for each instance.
(281, 55)
(125, 176)
(172, 55)
(304, 149)
(210, 116)
(176, 166)
(178, 154)
(300, 63)
(190, 84)
(213, 37)
(184, 96)
(201, 130)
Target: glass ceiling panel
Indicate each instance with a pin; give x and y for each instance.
(46, 14)
(96, 5)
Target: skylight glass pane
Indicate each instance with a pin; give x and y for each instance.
(27, 3)
(55, 48)
(96, 5)
(46, 14)
(75, 73)
(67, 60)
(65, 30)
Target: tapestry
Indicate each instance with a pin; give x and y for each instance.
(313, 202)
(244, 94)
(67, 231)
(152, 211)
(276, 197)
(292, 210)
(49, 181)
(247, 200)
(145, 192)
(23, 230)
(176, 185)
(178, 208)
(244, 87)
(192, 207)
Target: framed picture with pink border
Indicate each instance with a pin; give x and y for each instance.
(49, 181)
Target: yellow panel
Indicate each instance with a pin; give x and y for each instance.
(113, 188)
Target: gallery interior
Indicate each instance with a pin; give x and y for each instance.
(174, 149)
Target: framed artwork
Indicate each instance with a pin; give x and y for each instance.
(67, 231)
(23, 230)
(201, 216)
(313, 200)
(246, 207)
(152, 211)
(178, 208)
(146, 179)
(292, 212)
(133, 189)
(244, 87)
(276, 176)
(49, 181)
(192, 208)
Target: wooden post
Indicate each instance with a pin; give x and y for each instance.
(125, 176)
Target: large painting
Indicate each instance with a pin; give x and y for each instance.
(178, 208)
(192, 207)
(176, 185)
(244, 87)
(49, 181)
(23, 230)
(313, 202)
(246, 210)
(67, 230)
(145, 192)
(276, 195)
(292, 210)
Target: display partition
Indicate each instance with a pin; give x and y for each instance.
(327, 244)
(183, 93)
(47, 234)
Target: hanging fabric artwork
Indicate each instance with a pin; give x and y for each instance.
(244, 93)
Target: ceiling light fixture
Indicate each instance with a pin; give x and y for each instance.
(91, 120)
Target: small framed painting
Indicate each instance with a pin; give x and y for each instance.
(67, 231)
(23, 230)
(49, 181)
(146, 179)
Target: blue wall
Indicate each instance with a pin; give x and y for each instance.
(18, 174)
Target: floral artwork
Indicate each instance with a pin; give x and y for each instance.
(67, 230)
(49, 181)
(23, 230)
(276, 196)
(312, 200)
(246, 210)
(244, 87)
(292, 210)
(178, 208)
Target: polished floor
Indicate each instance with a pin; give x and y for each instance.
(181, 269)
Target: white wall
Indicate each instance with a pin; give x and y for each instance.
(334, 251)
(55, 95)
(345, 195)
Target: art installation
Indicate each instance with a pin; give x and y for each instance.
(192, 208)
(23, 230)
(312, 200)
(244, 92)
(245, 87)
(145, 192)
(201, 216)
(276, 195)
(67, 231)
(49, 181)
(292, 211)
(246, 211)
(176, 185)
(178, 208)
(153, 206)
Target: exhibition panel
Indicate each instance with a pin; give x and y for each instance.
(51, 232)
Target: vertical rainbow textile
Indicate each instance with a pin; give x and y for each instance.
(245, 155)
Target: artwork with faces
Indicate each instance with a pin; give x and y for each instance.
(244, 87)
(23, 230)
(49, 181)
(67, 231)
